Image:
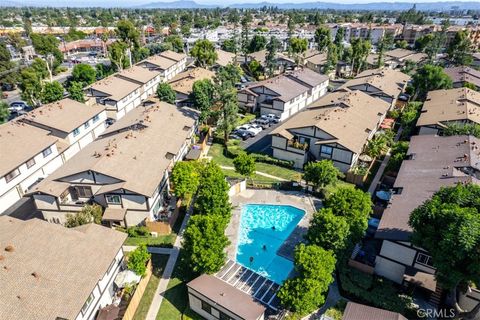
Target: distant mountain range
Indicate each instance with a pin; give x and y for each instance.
(190, 4)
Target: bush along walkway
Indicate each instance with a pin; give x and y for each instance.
(259, 173)
(172, 260)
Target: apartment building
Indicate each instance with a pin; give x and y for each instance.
(183, 82)
(73, 123)
(382, 83)
(148, 79)
(432, 162)
(336, 127)
(284, 95)
(35, 145)
(168, 63)
(117, 94)
(52, 272)
(224, 58)
(445, 107)
(126, 170)
(398, 57)
(462, 75)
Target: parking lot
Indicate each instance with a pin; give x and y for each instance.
(260, 142)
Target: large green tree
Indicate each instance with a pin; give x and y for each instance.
(360, 51)
(212, 196)
(460, 49)
(204, 243)
(257, 43)
(137, 260)
(186, 179)
(203, 98)
(117, 53)
(328, 231)
(353, 204)
(52, 91)
(204, 53)
(244, 164)
(165, 93)
(4, 113)
(128, 34)
(430, 77)
(84, 74)
(30, 86)
(306, 292)
(321, 173)
(271, 57)
(448, 227)
(75, 91)
(323, 38)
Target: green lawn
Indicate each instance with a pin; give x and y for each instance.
(158, 261)
(216, 152)
(175, 303)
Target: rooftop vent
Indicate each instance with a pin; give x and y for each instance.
(9, 248)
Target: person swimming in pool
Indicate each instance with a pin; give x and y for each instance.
(251, 260)
(273, 228)
(264, 248)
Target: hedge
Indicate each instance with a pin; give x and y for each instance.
(233, 150)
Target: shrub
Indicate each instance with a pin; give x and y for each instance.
(137, 260)
(140, 231)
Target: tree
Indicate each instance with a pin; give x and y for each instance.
(204, 53)
(353, 204)
(244, 164)
(321, 173)
(323, 38)
(385, 44)
(6, 66)
(137, 260)
(255, 69)
(332, 58)
(4, 112)
(212, 196)
(339, 38)
(204, 242)
(376, 146)
(165, 93)
(84, 74)
(245, 35)
(360, 51)
(428, 78)
(328, 231)
(52, 91)
(448, 227)
(129, 35)
(271, 57)
(203, 97)
(40, 67)
(175, 42)
(402, 44)
(47, 45)
(185, 179)
(298, 46)
(460, 49)
(30, 86)
(88, 214)
(230, 45)
(118, 56)
(306, 292)
(75, 91)
(257, 43)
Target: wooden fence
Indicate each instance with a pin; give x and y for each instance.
(164, 227)
(137, 296)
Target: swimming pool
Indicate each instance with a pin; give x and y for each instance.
(263, 229)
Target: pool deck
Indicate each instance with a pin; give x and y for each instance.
(253, 196)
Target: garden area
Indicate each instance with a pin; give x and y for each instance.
(158, 264)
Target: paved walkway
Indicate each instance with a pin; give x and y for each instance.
(382, 167)
(332, 299)
(167, 273)
(259, 173)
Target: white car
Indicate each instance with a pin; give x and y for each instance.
(272, 118)
(252, 129)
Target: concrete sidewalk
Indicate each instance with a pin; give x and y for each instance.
(258, 172)
(156, 250)
(167, 273)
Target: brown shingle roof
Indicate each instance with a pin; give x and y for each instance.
(161, 62)
(347, 116)
(183, 82)
(135, 149)
(64, 115)
(464, 74)
(308, 77)
(224, 57)
(52, 269)
(318, 59)
(285, 87)
(173, 55)
(437, 161)
(139, 74)
(450, 105)
(19, 142)
(116, 88)
(356, 311)
(227, 296)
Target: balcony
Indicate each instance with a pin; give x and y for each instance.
(297, 146)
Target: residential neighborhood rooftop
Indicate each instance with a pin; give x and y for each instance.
(64, 115)
(433, 162)
(183, 82)
(308, 77)
(136, 150)
(356, 311)
(450, 105)
(115, 88)
(464, 74)
(139, 74)
(161, 62)
(172, 55)
(50, 271)
(224, 57)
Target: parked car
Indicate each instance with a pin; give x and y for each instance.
(18, 106)
(264, 123)
(253, 129)
(271, 117)
(109, 121)
(243, 134)
(234, 136)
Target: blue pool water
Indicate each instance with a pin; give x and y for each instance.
(256, 231)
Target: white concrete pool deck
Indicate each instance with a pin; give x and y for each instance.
(253, 196)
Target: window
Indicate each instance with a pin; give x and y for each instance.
(223, 316)
(12, 175)
(113, 199)
(76, 132)
(87, 304)
(326, 150)
(47, 152)
(84, 192)
(86, 124)
(424, 259)
(96, 118)
(30, 163)
(206, 307)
